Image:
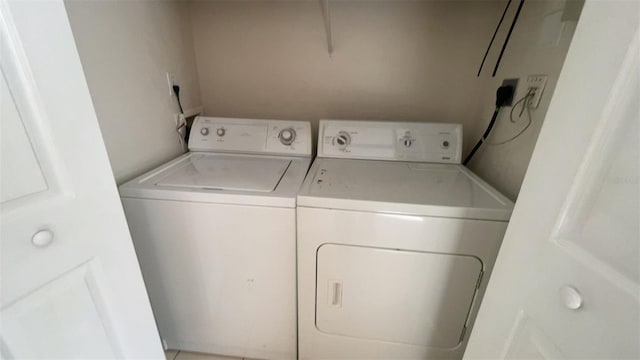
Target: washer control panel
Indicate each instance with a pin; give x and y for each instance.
(376, 140)
(250, 136)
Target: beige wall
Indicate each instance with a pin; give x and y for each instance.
(393, 60)
(529, 52)
(126, 48)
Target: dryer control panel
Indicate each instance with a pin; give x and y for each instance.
(377, 140)
(250, 136)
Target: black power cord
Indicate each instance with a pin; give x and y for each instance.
(506, 41)
(503, 94)
(176, 90)
(493, 37)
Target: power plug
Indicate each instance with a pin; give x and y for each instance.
(513, 83)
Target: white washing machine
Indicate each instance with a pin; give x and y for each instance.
(395, 242)
(214, 231)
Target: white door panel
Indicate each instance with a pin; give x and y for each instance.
(70, 283)
(566, 282)
(69, 300)
(21, 175)
(527, 341)
(605, 198)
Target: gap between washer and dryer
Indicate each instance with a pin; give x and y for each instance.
(185, 355)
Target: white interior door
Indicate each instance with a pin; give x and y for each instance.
(70, 286)
(567, 280)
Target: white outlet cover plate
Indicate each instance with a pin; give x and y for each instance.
(538, 82)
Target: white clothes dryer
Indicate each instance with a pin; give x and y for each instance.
(214, 231)
(395, 242)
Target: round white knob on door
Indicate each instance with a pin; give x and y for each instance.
(42, 238)
(571, 297)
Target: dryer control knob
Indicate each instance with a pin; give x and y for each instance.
(221, 131)
(204, 131)
(342, 140)
(287, 136)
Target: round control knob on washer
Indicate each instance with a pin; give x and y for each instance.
(221, 131)
(342, 140)
(287, 136)
(204, 131)
(408, 143)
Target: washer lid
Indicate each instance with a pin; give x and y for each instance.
(402, 187)
(240, 179)
(226, 172)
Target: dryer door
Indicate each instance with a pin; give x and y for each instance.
(408, 297)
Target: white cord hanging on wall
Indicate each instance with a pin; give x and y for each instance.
(524, 103)
(181, 129)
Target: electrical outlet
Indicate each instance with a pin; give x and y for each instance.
(171, 80)
(514, 85)
(535, 84)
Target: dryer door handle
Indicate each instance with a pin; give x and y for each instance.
(335, 293)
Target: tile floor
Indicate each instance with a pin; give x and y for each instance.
(185, 355)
